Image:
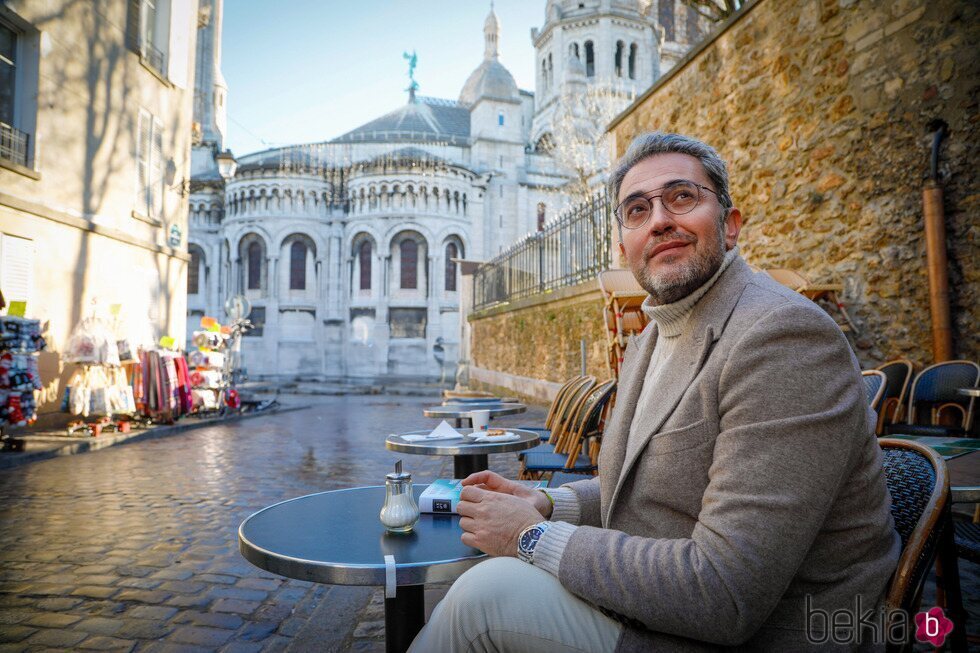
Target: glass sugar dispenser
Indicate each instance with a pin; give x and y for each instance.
(400, 513)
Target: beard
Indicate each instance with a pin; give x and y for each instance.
(672, 285)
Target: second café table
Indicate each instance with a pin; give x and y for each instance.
(468, 456)
(337, 538)
(459, 412)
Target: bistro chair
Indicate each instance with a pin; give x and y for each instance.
(898, 374)
(622, 312)
(564, 416)
(874, 385)
(571, 455)
(919, 486)
(936, 389)
(553, 409)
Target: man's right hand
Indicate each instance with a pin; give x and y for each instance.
(497, 483)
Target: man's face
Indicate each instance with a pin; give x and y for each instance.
(673, 255)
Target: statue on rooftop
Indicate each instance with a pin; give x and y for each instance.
(412, 62)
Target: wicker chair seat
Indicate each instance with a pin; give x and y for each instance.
(555, 462)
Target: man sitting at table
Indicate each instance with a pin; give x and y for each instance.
(740, 487)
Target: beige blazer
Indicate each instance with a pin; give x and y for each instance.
(756, 481)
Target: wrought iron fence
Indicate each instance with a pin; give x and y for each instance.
(572, 249)
(13, 144)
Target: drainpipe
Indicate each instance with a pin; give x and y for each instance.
(935, 226)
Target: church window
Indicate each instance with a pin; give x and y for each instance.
(193, 272)
(451, 253)
(551, 71)
(297, 266)
(541, 215)
(573, 50)
(500, 119)
(409, 250)
(364, 263)
(619, 58)
(632, 64)
(666, 18)
(254, 262)
(589, 59)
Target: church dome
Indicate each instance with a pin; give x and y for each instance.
(489, 80)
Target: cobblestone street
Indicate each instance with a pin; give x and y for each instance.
(135, 547)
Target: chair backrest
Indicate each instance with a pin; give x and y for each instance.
(566, 412)
(919, 487)
(874, 385)
(556, 403)
(586, 418)
(898, 374)
(940, 383)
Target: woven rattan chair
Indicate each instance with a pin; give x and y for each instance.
(564, 415)
(898, 374)
(554, 408)
(569, 455)
(936, 390)
(874, 385)
(919, 487)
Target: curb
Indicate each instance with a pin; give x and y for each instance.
(9, 460)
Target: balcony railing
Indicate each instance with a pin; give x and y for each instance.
(572, 249)
(13, 144)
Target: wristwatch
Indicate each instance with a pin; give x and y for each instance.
(528, 539)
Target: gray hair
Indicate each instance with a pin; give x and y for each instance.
(652, 143)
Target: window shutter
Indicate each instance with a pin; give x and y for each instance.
(17, 269)
(156, 170)
(182, 21)
(133, 25)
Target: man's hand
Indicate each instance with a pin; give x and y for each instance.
(497, 483)
(492, 521)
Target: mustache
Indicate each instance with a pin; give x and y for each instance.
(673, 238)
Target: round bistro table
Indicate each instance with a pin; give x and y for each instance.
(461, 412)
(468, 456)
(336, 537)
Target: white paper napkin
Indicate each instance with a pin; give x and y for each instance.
(442, 432)
(506, 437)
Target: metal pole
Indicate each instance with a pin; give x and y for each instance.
(582, 343)
(942, 332)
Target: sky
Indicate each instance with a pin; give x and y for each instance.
(303, 71)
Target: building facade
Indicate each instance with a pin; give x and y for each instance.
(95, 137)
(347, 249)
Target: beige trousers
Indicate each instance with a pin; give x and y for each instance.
(507, 605)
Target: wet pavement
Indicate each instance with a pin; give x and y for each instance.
(134, 547)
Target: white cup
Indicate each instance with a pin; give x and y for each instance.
(480, 420)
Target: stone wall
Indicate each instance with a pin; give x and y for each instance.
(540, 338)
(821, 109)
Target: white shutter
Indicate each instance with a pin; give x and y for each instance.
(156, 170)
(17, 269)
(143, 162)
(182, 21)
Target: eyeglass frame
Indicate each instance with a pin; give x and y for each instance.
(700, 187)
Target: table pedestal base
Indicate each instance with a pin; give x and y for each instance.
(463, 466)
(404, 617)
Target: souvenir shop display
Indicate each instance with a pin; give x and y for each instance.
(208, 363)
(20, 342)
(163, 385)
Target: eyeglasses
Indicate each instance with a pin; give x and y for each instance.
(678, 197)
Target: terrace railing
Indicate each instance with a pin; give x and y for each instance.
(569, 250)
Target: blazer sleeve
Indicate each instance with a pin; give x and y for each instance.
(791, 415)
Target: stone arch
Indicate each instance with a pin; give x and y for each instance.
(298, 277)
(254, 256)
(196, 269)
(409, 253)
(452, 247)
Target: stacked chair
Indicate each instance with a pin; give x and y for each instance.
(573, 444)
(622, 311)
(934, 398)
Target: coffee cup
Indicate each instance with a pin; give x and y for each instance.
(480, 420)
